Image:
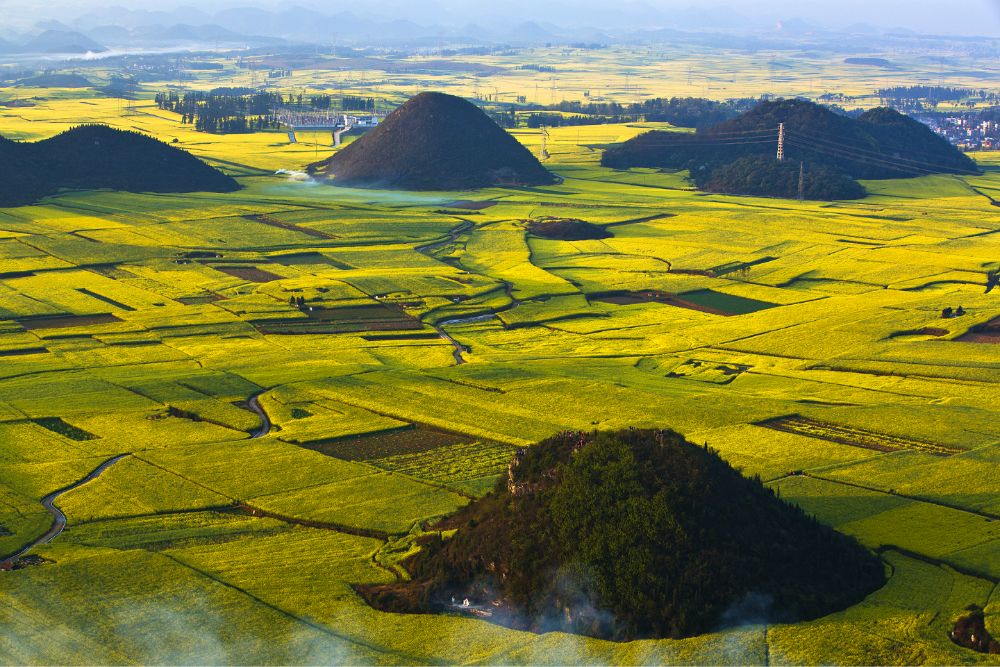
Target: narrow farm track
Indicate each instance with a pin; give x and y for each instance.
(459, 348)
(514, 303)
(265, 422)
(60, 519)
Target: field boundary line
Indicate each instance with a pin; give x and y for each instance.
(892, 492)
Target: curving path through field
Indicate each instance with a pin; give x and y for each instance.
(265, 423)
(459, 348)
(60, 519)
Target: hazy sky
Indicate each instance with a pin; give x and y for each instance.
(981, 17)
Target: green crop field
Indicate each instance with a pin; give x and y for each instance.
(803, 341)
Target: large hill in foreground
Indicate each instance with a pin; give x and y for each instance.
(434, 142)
(733, 156)
(631, 534)
(91, 157)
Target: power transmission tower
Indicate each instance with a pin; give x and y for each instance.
(552, 86)
(801, 180)
(440, 43)
(781, 142)
(542, 153)
(536, 92)
(334, 51)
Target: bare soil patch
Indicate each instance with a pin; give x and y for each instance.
(252, 273)
(983, 333)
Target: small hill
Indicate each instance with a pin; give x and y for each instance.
(55, 81)
(93, 157)
(59, 41)
(433, 142)
(567, 229)
(879, 144)
(631, 534)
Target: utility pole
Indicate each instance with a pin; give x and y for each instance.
(781, 142)
(801, 178)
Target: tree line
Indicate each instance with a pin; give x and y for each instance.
(223, 113)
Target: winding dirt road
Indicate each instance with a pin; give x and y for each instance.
(60, 519)
(265, 423)
(48, 502)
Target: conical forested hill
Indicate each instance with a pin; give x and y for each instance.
(738, 155)
(631, 534)
(93, 157)
(434, 142)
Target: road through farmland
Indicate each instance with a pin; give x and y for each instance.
(265, 423)
(60, 518)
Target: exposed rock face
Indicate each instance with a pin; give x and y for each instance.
(434, 142)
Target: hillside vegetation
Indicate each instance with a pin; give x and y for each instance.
(879, 144)
(434, 142)
(634, 533)
(92, 157)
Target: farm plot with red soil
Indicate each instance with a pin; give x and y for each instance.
(984, 333)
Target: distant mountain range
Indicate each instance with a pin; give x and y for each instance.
(414, 23)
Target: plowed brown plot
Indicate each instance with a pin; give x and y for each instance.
(410, 441)
(250, 273)
(855, 437)
(985, 333)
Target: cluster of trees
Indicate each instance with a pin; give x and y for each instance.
(557, 120)
(914, 97)
(636, 534)
(319, 101)
(537, 68)
(764, 176)
(687, 111)
(355, 103)
(221, 111)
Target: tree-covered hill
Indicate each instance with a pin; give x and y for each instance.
(434, 142)
(92, 157)
(636, 533)
(879, 144)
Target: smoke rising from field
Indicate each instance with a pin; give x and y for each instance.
(751, 609)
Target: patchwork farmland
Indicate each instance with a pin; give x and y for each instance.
(403, 347)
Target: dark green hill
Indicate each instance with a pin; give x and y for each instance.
(637, 533)
(93, 157)
(434, 142)
(879, 144)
